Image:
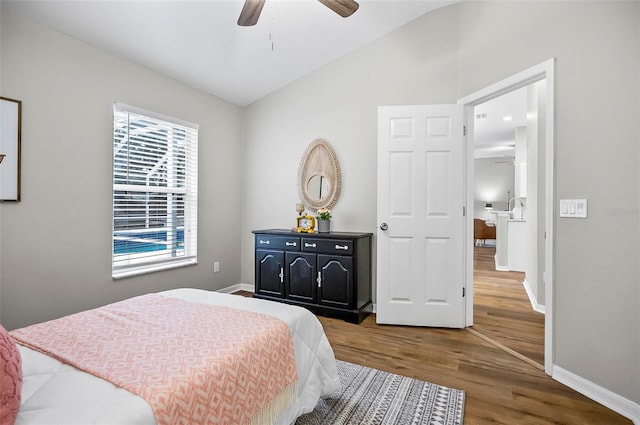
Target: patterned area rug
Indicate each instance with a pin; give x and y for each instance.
(373, 397)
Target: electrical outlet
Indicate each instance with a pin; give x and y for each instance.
(216, 267)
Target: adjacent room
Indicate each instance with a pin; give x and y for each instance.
(385, 211)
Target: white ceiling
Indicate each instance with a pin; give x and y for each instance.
(199, 43)
(493, 136)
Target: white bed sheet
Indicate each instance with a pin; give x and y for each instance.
(56, 393)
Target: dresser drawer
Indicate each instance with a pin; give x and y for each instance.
(328, 246)
(277, 242)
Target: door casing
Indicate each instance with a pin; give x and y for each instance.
(544, 70)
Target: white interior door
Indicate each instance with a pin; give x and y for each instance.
(420, 276)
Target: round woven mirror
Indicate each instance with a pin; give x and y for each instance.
(319, 176)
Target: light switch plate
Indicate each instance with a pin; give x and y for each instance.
(573, 208)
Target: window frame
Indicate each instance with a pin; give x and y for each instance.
(175, 186)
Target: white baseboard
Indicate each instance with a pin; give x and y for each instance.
(237, 287)
(613, 401)
(532, 298)
(499, 268)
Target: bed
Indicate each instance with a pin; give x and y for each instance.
(57, 393)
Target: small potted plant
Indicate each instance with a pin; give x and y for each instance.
(324, 220)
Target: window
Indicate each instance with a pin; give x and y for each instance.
(155, 192)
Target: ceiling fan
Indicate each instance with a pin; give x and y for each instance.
(252, 8)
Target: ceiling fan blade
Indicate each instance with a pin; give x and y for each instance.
(250, 12)
(343, 8)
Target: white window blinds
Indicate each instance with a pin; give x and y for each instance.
(155, 191)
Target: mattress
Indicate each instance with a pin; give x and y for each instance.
(56, 393)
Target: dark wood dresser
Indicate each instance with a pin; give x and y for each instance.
(328, 273)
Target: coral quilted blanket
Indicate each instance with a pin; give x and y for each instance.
(174, 354)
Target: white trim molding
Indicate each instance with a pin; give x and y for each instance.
(544, 70)
(497, 267)
(613, 401)
(249, 287)
(532, 298)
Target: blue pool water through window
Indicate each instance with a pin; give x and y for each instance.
(127, 242)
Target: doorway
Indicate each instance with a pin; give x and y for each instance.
(506, 205)
(541, 284)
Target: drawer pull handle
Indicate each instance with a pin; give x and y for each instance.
(290, 243)
(345, 247)
(309, 245)
(264, 242)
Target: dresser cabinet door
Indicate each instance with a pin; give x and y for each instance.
(336, 273)
(270, 273)
(301, 277)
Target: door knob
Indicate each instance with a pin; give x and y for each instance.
(384, 226)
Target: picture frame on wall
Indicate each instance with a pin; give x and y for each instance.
(10, 140)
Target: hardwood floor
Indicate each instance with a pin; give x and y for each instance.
(502, 310)
(500, 388)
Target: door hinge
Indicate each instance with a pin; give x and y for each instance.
(464, 130)
(463, 292)
(464, 211)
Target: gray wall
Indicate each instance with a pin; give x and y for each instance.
(449, 54)
(339, 102)
(597, 75)
(56, 243)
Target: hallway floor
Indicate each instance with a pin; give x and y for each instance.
(502, 310)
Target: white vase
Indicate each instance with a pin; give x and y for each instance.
(324, 226)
